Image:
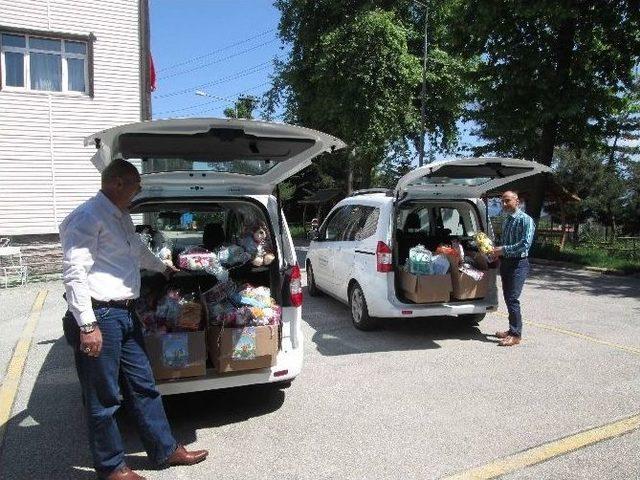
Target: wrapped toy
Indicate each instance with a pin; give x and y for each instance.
(484, 243)
(255, 243)
(233, 255)
(420, 259)
(450, 252)
(440, 264)
(197, 258)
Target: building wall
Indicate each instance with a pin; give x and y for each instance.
(45, 170)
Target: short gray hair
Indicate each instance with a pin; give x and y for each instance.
(119, 168)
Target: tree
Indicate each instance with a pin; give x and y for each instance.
(550, 73)
(243, 108)
(355, 79)
(601, 187)
(355, 71)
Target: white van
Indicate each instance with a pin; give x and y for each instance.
(202, 179)
(363, 242)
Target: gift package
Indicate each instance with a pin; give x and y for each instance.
(450, 272)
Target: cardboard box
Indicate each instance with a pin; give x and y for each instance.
(466, 288)
(247, 348)
(425, 288)
(177, 355)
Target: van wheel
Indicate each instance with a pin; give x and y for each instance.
(359, 311)
(311, 282)
(471, 319)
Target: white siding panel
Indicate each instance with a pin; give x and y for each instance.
(42, 156)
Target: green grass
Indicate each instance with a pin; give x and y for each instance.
(588, 256)
(297, 231)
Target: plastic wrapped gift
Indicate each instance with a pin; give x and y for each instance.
(471, 271)
(484, 243)
(197, 258)
(420, 259)
(440, 264)
(219, 292)
(254, 297)
(190, 316)
(233, 255)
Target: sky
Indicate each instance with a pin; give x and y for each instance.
(222, 48)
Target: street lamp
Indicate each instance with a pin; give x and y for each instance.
(202, 93)
(423, 107)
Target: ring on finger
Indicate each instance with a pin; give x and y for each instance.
(87, 349)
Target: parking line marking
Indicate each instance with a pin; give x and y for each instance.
(549, 450)
(11, 382)
(626, 348)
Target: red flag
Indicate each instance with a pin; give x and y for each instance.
(152, 74)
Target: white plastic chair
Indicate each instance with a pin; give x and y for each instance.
(11, 266)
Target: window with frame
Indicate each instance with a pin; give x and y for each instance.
(31, 62)
(336, 224)
(363, 224)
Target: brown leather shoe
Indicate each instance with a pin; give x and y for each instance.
(182, 457)
(124, 473)
(502, 334)
(509, 341)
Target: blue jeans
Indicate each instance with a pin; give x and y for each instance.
(121, 373)
(513, 272)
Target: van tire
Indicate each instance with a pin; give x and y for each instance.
(359, 310)
(471, 319)
(311, 282)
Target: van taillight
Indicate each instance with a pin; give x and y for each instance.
(295, 286)
(384, 262)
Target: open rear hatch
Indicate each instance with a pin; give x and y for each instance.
(465, 177)
(225, 156)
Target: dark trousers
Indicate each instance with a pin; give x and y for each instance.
(121, 373)
(513, 272)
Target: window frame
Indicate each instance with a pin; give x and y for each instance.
(26, 51)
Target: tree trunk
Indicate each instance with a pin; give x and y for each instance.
(563, 53)
(563, 221)
(350, 162)
(576, 228)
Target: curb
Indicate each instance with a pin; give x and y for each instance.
(575, 266)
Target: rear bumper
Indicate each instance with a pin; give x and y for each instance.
(409, 310)
(388, 305)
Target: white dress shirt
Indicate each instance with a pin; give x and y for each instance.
(102, 256)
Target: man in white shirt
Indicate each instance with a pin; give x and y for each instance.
(102, 260)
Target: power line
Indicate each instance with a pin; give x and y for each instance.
(234, 76)
(228, 57)
(231, 98)
(200, 57)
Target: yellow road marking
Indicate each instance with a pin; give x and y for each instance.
(626, 348)
(12, 379)
(549, 450)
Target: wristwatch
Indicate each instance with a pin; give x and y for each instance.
(89, 327)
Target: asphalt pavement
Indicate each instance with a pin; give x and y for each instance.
(417, 399)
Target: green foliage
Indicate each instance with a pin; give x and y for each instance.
(243, 108)
(356, 71)
(397, 164)
(549, 72)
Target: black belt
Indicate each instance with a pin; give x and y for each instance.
(125, 304)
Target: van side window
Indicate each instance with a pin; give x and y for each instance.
(368, 223)
(416, 221)
(336, 225)
(452, 221)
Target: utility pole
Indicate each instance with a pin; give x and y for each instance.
(423, 95)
